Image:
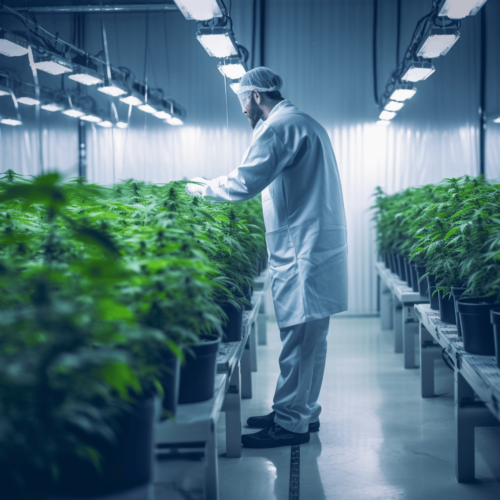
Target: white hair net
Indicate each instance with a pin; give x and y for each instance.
(261, 79)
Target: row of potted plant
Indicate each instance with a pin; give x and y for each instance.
(102, 291)
(444, 240)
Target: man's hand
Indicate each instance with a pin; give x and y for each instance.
(196, 189)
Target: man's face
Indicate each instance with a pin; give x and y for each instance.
(253, 111)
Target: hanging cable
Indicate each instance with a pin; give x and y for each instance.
(262, 31)
(398, 35)
(254, 32)
(374, 54)
(146, 92)
(482, 97)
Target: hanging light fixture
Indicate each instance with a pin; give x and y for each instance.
(437, 41)
(51, 63)
(458, 9)
(122, 125)
(175, 121)
(235, 86)
(393, 105)
(72, 110)
(112, 87)
(496, 120)
(416, 71)
(387, 115)
(10, 121)
(12, 45)
(91, 118)
(133, 99)
(163, 114)
(218, 42)
(4, 91)
(383, 123)
(85, 75)
(403, 91)
(232, 68)
(27, 97)
(200, 10)
(105, 124)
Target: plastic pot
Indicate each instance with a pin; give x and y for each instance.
(423, 284)
(394, 262)
(414, 279)
(457, 292)
(431, 278)
(408, 272)
(401, 267)
(126, 461)
(495, 320)
(446, 308)
(477, 330)
(247, 291)
(233, 329)
(386, 260)
(198, 371)
(433, 297)
(170, 383)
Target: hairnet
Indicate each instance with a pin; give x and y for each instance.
(261, 79)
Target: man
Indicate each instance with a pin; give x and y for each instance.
(291, 161)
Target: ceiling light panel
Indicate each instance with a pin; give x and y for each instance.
(12, 45)
(52, 64)
(393, 106)
(403, 92)
(218, 45)
(418, 71)
(232, 71)
(85, 76)
(199, 10)
(458, 9)
(438, 42)
(387, 115)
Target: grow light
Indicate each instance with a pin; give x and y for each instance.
(383, 123)
(175, 121)
(235, 86)
(52, 107)
(458, 9)
(12, 45)
(393, 106)
(387, 115)
(218, 42)
(163, 115)
(132, 99)
(91, 118)
(74, 113)
(122, 125)
(52, 63)
(403, 92)
(438, 42)
(112, 88)
(3, 92)
(85, 76)
(418, 71)
(199, 10)
(11, 122)
(28, 101)
(105, 124)
(147, 108)
(497, 120)
(233, 71)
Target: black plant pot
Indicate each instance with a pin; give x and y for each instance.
(495, 320)
(394, 263)
(401, 268)
(233, 329)
(125, 462)
(198, 371)
(433, 297)
(414, 279)
(386, 260)
(248, 290)
(446, 308)
(408, 272)
(457, 292)
(423, 284)
(431, 279)
(170, 383)
(477, 330)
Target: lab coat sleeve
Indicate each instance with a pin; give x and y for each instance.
(263, 162)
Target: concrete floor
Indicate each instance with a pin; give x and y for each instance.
(378, 440)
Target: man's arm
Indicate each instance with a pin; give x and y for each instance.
(265, 160)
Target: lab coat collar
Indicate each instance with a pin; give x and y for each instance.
(278, 107)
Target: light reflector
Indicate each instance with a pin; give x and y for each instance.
(163, 115)
(105, 124)
(393, 106)
(11, 122)
(418, 71)
(132, 100)
(91, 118)
(12, 45)
(52, 63)
(85, 76)
(403, 92)
(235, 86)
(199, 10)
(218, 44)
(438, 42)
(52, 107)
(122, 125)
(147, 108)
(28, 101)
(112, 88)
(458, 9)
(233, 71)
(175, 121)
(74, 113)
(387, 115)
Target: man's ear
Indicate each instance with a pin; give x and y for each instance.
(257, 96)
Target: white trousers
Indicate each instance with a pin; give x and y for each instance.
(302, 364)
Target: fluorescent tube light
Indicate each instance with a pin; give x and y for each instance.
(11, 122)
(132, 99)
(199, 10)
(218, 42)
(122, 125)
(74, 113)
(233, 71)
(175, 121)
(52, 107)
(418, 71)
(403, 92)
(52, 63)
(163, 115)
(12, 45)
(85, 76)
(112, 88)
(91, 118)
(387, 115)
(458, 9)
(105, 124)
(393, 106)
(28, 101)
(147, 108)
(438, 42)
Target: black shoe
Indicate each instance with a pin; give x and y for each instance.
(266, 421)
(273, 437)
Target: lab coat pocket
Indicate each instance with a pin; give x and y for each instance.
(281, 250)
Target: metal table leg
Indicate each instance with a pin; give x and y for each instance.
(429, 351)
(212, 478)
(397, 309)
(232, 407)
(246, 373)
(253, 345)
(410, 329)
(261, 323)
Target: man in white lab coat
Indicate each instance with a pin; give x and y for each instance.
(291, 161)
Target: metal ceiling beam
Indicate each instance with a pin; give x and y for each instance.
(89, 9)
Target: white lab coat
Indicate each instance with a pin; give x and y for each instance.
(291, 161)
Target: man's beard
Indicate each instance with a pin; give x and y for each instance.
(254, 113)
